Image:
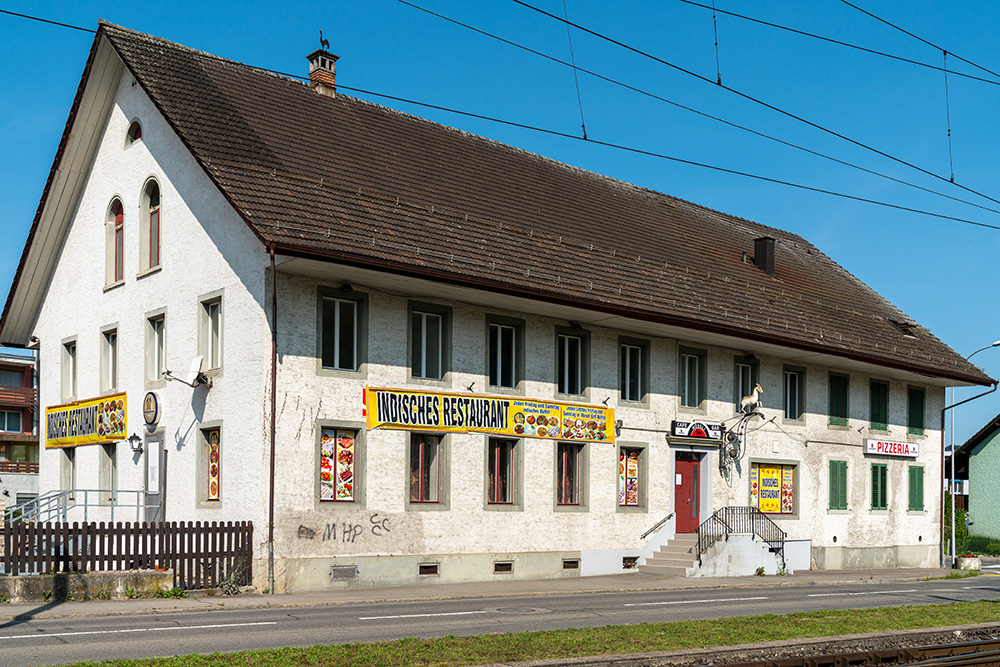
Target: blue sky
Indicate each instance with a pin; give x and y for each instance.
(938, 271)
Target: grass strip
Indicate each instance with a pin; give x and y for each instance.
(454, 651)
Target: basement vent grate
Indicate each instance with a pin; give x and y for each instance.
(429, 569)
(571, 563)
(630, 562)
(343, 572)
(503, 567)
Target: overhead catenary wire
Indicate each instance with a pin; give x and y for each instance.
(703, 114)
(755, 100)
(947, 112)
(917, 37)
(662, 156)
(551, 132)
(576, 80)
(838, 42)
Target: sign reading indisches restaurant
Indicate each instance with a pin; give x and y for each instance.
(497, 415)
(88, 422)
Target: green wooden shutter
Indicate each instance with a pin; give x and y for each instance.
(916, 503)
(880, 491)
(838, 485)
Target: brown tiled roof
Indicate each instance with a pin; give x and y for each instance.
(348, 179)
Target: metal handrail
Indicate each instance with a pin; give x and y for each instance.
(740, 520)
(655, 526)
(57, 505)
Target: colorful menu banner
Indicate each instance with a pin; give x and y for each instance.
(501, 415)
(89, 422)
(772, 488)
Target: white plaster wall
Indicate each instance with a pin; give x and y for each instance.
(205, 247)
(600, 529)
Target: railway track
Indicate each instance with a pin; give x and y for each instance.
(983, 653)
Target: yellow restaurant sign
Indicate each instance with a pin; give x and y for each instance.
(500, 415)
(87, 422)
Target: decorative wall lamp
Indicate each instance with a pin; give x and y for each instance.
(135, 444)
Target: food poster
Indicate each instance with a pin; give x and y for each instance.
(89, 422)
(628, 477)
(496, 415)
(771, 488)
(336, 465)
(214, 463)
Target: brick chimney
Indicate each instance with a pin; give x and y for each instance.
(323, 72)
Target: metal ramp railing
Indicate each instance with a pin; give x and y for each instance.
(740, 520)
(81, 505)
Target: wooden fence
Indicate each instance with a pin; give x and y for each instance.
(202, 555)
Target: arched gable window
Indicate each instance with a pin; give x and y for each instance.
(115, 243)
(150, 240)
(134, 133)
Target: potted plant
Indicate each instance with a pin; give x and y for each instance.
(969, 561)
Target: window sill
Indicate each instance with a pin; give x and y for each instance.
(843, 512)
(111, 286)
(156, 384)
(839, 427)
(360, 374)
(632, 509)
(793, 422)
(516, 390)
(642, 404)
(572, 508)
(148, 272)
(503, 507)
(416, 506)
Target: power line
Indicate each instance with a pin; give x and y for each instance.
(662, 156)
(696, 111)
(557, 133)
(41, 20)
(917, 37)
(838, 42)
(755, 100)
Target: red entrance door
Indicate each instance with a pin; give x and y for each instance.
(686, 495)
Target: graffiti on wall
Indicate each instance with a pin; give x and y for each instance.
(346, 531)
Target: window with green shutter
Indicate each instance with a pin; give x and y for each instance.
(879, 392)
(880, 486)
(915, 410)
(838, 400)
(838, 485)
(916, 475)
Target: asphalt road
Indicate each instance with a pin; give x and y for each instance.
(56, 641)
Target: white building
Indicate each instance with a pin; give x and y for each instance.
(485, 363)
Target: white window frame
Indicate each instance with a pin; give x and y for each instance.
(503, 363)
(421, 344)
(211, 321)
(156, 347)
(69, 369)
(109, 359)
(338, 363)
(570, 351)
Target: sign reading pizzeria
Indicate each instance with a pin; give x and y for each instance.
(890, 448)
(89, 422)
(500, 415)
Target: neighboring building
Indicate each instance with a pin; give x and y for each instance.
(485, 363)
(18, 429)
(977, 478)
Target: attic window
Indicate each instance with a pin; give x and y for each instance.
(134, 133)
(904, 328)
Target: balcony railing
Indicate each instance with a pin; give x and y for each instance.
(19, 467)
(18, 396)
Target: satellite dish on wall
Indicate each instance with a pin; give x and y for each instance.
(194, 377)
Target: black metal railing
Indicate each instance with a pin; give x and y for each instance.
(740, 521)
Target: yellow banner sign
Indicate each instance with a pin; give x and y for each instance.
(87, 422)
(501, 415)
